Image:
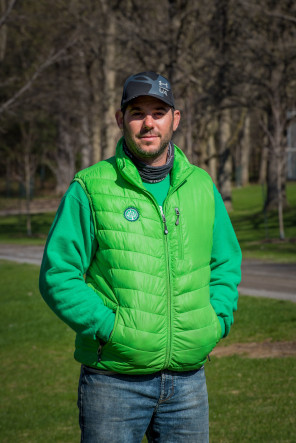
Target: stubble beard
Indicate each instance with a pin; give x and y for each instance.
(141, 153)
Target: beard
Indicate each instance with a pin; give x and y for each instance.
(145, 152)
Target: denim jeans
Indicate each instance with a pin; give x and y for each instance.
(119, 408)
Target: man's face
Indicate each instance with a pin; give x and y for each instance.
(148, 125)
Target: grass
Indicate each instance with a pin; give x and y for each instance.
(258, 234)
(251, 400)
(38, 374)
(258, 319)
(13, 229)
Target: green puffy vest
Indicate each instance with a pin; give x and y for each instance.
(153, 273)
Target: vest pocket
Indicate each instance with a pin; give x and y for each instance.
(103, 345)
(217, 325)
(115, 324)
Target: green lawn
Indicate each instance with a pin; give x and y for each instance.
(251, 400)
(13, 229)
(258, 233)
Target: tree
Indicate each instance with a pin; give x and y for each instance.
(268, 40)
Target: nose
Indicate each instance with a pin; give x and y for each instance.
(148, 121)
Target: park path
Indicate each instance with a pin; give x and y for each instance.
(272, 280)
(259, 279)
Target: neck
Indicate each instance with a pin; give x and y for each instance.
(158, 161)
(153, 172)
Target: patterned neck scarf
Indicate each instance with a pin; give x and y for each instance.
(152, 174)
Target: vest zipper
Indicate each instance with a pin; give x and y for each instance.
(178, 215)
(169, 286)
(165, 225)
(169, 279)
(180, 233)
(169, 289)
(169, 301)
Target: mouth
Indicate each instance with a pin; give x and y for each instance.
(148, 137)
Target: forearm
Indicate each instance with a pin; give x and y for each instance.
(225, 267)
(67, 256)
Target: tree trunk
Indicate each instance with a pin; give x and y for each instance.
(109, 69)
(28, 169)
(96, 111)
(82, 114)
(65, 156)
(189, 141)
(263, 165)
(245, 151)
(212, 168)
(66, 127)
(280, 199)
(28, 190)
(276, 181)
(3, 31)
(212, 151)
(225, 166)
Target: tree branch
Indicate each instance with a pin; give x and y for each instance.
(7, 12)
(51, 59)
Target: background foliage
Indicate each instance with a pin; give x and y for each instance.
(232, 64)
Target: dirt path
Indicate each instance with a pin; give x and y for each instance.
(266, 349)
(271, 280)
(259, 279)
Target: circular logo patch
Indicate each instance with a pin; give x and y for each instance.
(131, 214)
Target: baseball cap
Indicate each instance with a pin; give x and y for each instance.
(147, 83)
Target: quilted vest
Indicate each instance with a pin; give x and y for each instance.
(152, 270)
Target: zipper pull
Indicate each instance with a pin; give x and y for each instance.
(209, 358)
(100, 349)
(178, 215)
(165, 226)
(99, 353)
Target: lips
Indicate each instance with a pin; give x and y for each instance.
(148, 136)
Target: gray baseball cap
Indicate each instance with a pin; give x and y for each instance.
(147, 83)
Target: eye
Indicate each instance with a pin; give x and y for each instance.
(159, 114)
(137, 114)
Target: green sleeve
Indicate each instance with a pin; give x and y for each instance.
(68, 253)
(225, 266)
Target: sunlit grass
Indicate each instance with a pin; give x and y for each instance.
(258, 232)
(250, 399)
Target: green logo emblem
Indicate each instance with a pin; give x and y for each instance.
(131, 214)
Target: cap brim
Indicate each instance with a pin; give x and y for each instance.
(167, 102)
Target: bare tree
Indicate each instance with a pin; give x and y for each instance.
(268, 41)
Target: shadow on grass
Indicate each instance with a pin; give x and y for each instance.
(256, 232)
(13, 227)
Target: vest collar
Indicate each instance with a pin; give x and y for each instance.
(180, 171)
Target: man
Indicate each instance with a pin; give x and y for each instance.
(161, 262)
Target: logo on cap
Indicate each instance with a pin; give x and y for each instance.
(163, 87)
(131, 214)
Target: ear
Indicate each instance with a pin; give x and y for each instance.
(119, 118)
(177, 118)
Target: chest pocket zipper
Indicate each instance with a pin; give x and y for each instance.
(180, 238)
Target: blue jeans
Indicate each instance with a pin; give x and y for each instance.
(168, 406)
